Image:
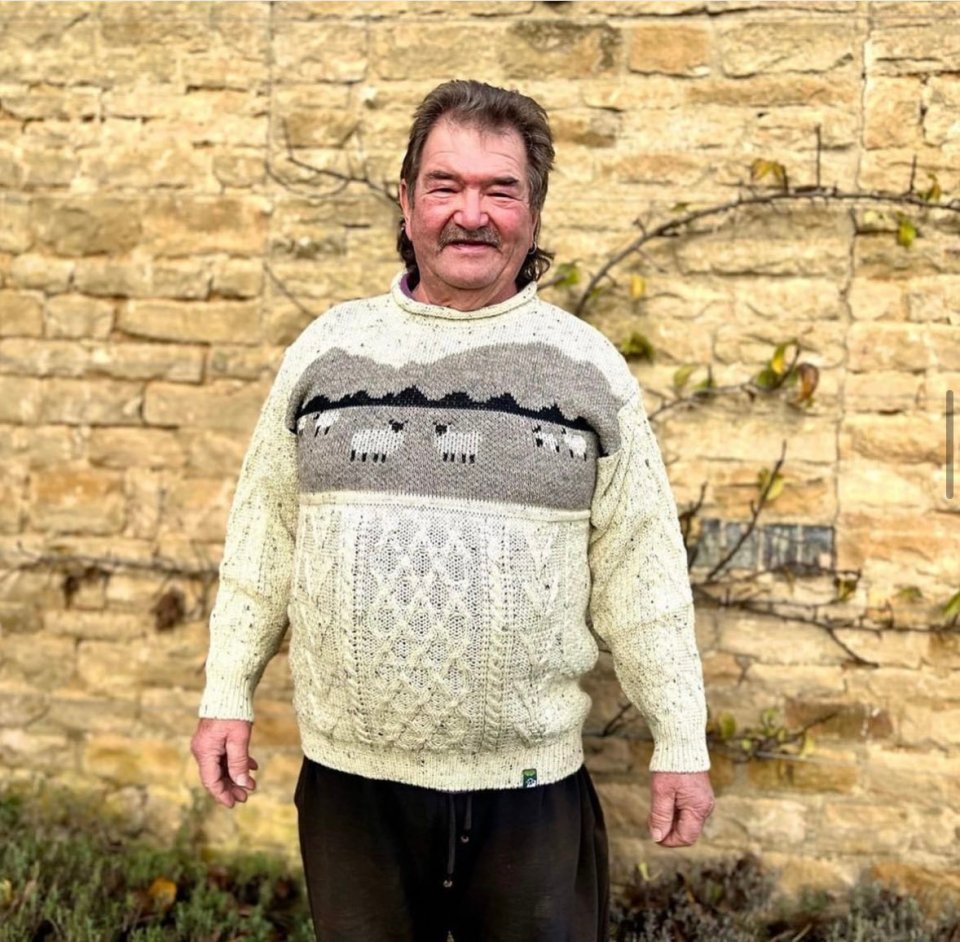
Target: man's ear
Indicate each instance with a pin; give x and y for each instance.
(405, 202)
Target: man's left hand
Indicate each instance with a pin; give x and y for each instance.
(680, 803)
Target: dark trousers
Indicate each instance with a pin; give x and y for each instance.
(387, 862)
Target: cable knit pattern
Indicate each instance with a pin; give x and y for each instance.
(441, 503)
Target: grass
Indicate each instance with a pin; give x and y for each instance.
(66, 875)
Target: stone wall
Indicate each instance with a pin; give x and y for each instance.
(163, 236)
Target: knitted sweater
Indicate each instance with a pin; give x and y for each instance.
(442, 504)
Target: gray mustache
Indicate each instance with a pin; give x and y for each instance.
(485, 236)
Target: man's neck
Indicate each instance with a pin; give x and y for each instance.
(461, 300)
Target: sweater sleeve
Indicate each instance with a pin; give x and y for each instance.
(641, 604)
(249, 617)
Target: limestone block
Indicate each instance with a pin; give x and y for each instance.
(913, 48)
(180, 278)
(866, 484)
(892, 112)
(22, 749)
(75, 315)
(776, 90)
(21, 314)
(889, 648)
(927, 723)
(856, 827)
(934, 300)
(893, 438)
(888, 346)
(275, 725)
(530, 48)
(775, 641)
(669, 48)
(145, 491)
(39, 50)
(133, 448)
(588, 129)
(47, 166)
(238, 166)
(21, 705)
(93, 225)
(942, 99)
(16, 233)
(930, 777)
(76, 500)
(258, 363)
(883, 391)
(213, 452)
(43, 101)
(198, 506)
(178, 223)
(759, 439)
(799, 680)
(936, 888)
(223, 68)
(186, 322)
(788, 44)
(877, 255)
(98, 625)
(121, 361)
(175, 658)
(94, 402)
(11, 498)
(873, 300)
(45, 662)
(269, 824)
(73, 710)
(237, 277)
(127, 276)
(319, 51)
(110, 668)
(824, 771)
(396, 50)
(169, 713)
(796, 875)
(771, 822)
(127, 761)
(225, 405)
(303, 120)
(808, 494)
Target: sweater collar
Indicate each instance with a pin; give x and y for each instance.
(413, 306)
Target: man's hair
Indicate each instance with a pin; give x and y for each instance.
(488, 108)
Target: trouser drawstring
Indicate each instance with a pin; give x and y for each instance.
(464, 837)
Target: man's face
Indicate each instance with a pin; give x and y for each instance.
(469, 219)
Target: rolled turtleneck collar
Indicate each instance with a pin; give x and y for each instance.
(401, 295)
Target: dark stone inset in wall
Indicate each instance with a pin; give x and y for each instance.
(769, 546)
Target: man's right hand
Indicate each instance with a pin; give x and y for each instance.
(221, 748)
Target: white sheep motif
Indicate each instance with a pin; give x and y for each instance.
(376, 443)
(545, 439)
(576, 444)
(452, 445)
(324, 421)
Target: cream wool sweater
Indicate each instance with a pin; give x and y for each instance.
(441, 504)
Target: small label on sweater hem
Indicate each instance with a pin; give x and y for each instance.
(529, 778)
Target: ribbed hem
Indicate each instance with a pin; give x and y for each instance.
(452, 771)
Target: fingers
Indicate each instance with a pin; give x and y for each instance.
(686, 829)
(680, 805)
(220, 749)
(660, 820)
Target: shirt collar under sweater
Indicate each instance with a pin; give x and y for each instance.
(404, 300)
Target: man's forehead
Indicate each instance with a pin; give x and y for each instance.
(501, 144)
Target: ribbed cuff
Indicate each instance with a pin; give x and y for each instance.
(680, 750)
(227, 698)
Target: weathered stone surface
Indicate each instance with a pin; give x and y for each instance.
(883, 391)
(237, 278)
(882, 346)
(21, 314)
(46, 662)
(941, 100)
(321, 51)
(128, 761)
(72, 315)
(122, 448)
(76, 501)
(86, 225)
(118, 360)
(205, 224)
(89, 402)
(99, 625)
(871, 300)
(893, 438)
(223, 405)
(905, 48)
(198, 506)
(790, 44)
(186, 322)
(256, 363)
(670, 48)
(820, 772)
(892, 112)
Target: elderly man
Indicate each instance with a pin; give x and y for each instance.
(449, 485)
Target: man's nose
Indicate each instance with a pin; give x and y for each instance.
(470, 213)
